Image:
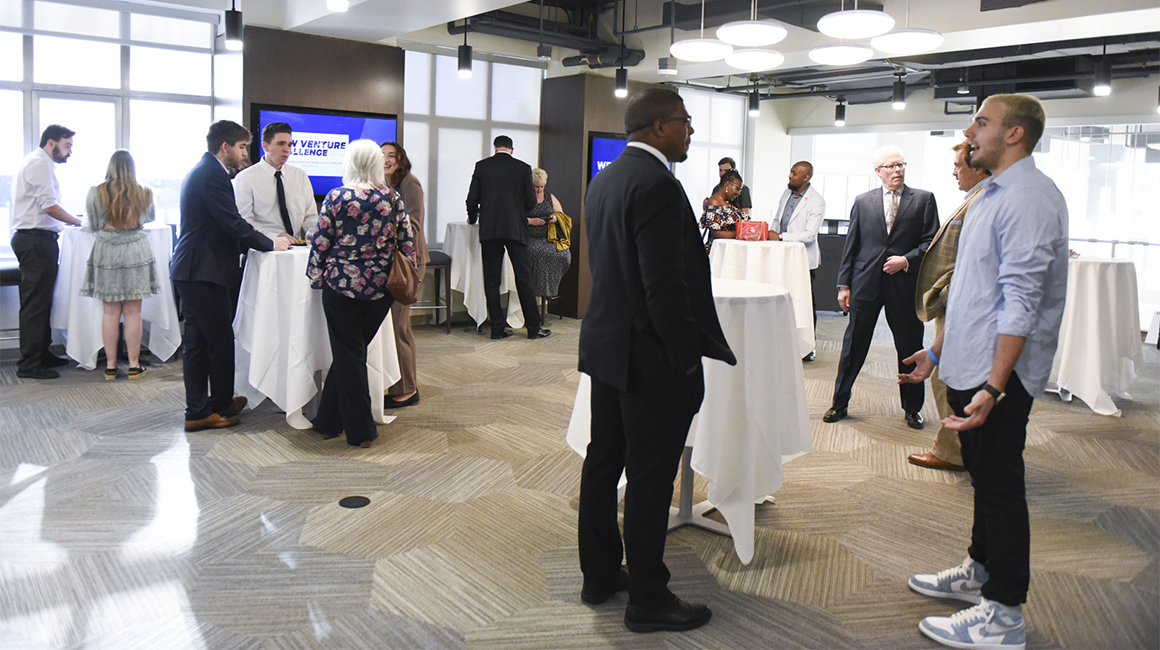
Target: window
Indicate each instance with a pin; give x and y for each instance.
(718, 132)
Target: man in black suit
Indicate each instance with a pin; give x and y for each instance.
(205, 270)
(890, 229)
(650, 320)
(500, 196)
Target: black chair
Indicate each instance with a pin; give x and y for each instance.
(440, 265)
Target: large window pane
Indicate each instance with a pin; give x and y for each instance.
(417, 83)
(728, 120)
(152, 69)
(12, 151)
(526, 144)
(455, 97)
(171, 31)
(515, 93)
(11, 57)
(95, 141)
(70, 62)
(455, 168)
(165, 154)
(11, 14)
(699, 107)
(74, 19)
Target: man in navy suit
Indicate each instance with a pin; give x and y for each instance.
(650, 319)
(205, 269)
(890, 229)
(500, 196)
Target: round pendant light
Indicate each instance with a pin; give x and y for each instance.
(907, 41)
(754, 59)
(841, 54)
(700, 50)
(751, 33)
(855, 23)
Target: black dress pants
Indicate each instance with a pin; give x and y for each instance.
(907, 331)
(642, 435)
(346, 401)
(208, 347)
(37, 252)
(993, 454)
(492, 253)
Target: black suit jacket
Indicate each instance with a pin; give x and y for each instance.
(212, 231)
(500, 197)
(868, 245)
(651, 316)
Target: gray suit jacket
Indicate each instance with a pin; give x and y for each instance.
(804, 223)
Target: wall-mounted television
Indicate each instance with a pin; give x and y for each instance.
(603, 148)
(320, 137)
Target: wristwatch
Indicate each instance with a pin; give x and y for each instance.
(995, 392)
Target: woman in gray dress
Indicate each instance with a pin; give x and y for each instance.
(121, 270)
(548, 262)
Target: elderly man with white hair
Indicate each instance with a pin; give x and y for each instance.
(890, 229)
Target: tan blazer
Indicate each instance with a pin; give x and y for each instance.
(934, 276)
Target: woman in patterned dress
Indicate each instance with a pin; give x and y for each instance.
(720, 218)
(548, 262)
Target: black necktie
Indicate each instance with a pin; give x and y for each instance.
(282, 204)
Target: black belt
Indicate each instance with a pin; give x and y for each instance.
(39, 232)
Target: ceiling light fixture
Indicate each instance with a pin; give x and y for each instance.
(963, 88)
(700, 50)
(465, 56)
(337, 5)
(752, 32)
(1103, 85)
(907, 40)
(855, 23)
(621, 83)
(840, 113)
(754, 59)
(899, 102)
(667, 65)
(543, 52)
(840, 54)
(754, 102)
(234, 28)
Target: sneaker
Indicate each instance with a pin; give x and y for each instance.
(988, 625)
(958, 583)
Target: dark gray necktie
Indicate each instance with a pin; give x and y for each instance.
(282, 204)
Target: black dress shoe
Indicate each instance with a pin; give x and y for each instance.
(38, 373)
(677, 616)
(593, 596)
(833, 415)
(501, 334)
(53, 361)
(914, 420)
(391, 403)
(540, 334)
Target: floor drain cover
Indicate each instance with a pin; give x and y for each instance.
(354, 502)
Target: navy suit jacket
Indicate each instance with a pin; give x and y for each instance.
(500, 197)
(651, 315)
(868, 245)
(212, 231)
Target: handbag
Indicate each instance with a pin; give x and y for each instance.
(403, 280)
(753, 231)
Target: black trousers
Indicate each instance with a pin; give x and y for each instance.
(813, 299)
(642, 435)
(492, 253)
(37, 252)
(907, 331)
(346, 401)
(993, 454)
(207, 347)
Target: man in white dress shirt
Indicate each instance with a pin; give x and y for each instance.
(37, 219)
(800, 212)
(275, 197)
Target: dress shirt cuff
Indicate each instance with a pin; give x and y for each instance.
(842, 286)
(46, 202)
(1015, 323)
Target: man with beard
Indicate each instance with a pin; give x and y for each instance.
(205, 269)
(37, 220)
(800, 212)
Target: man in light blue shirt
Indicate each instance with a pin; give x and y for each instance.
(1003, 317)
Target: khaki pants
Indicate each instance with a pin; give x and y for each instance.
(946, 442)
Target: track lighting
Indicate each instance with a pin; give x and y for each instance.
(840, 114)
(899, 102)
(234, 28)
(754, 103)
(465, 56)
(621, 83)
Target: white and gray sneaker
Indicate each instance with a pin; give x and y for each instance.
(987, 626)
(962, 582)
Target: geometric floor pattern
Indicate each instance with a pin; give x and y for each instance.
(119, 530)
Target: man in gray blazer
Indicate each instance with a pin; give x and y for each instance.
(500, 196)
(800, 212)
(890, 229)
(650, 320)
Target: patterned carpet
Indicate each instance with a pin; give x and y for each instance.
(118, 530)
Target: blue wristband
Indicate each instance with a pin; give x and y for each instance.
(930, 353)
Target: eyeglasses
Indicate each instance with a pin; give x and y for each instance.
(688, 119)
(735, 186)
(892, 167)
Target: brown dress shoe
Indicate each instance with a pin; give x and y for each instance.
(930, 461)
(214, 421)
(234, 408)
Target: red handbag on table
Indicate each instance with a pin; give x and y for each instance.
(753, 231)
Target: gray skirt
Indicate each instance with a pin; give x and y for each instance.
(121, 267)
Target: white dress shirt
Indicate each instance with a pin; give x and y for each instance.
(34, 190)
(256, 193)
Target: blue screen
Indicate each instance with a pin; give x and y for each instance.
(604, 151)
(319, 144)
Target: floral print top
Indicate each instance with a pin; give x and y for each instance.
(720, 217)
(358, 234)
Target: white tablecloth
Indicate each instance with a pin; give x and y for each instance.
(784, 264)
(1099, 339)
(461, 242)
(79, 318)
(281, 339)
(754, 414)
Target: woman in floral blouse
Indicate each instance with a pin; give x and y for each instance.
(720, 217)
(362, 228)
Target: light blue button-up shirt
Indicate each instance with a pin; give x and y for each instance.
(1010, 278)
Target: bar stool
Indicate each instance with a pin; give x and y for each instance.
(440, 264)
